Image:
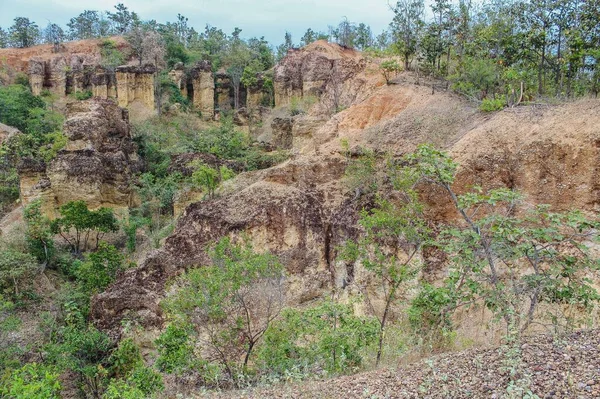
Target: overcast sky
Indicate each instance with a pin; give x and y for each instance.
(269, 18)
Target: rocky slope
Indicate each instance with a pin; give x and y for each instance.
(563, 367)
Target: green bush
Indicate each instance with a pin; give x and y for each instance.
(100, 269)
(327, 338)
(17, 270)
(83, 95)
(493, 104)
(125, 358)
(39, 235)
(32, 381)
(174, 350)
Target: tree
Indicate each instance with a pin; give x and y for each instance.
(17, 270)
(345, 33)
(308, 37)
(390, 69)
(364, 37)
(407, 27)
(123, 20)
(85, 26)
(326, 338)
(230, 303)
(237, 59)
(100, 269)
(147, 46)
(287, 45)
(4, 38)
(509, 261)
(54, 34)
(39, 232)
(209, 178)
(76, 217)
(393, 234)
(23, 33)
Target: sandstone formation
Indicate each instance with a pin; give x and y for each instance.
(96, 165)
(136, 83)
(203, 84)
(321, 70)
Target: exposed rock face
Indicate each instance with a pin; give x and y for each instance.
(320, 69)
(203, 84)
(95, 166)
(135, 83)
(285, 210)
(223, 89)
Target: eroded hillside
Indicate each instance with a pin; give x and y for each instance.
(302, 211)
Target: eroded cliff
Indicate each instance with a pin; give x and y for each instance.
(97, 164)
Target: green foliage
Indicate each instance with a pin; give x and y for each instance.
(229, 304)
(146, 380)
(83, 95)
(75, 216)
(39, 235)
(100, 269)
(85, 352)
(493, 104)
(17, 270)
(390, 69)
(493, 242)
(16, 105)
(478, 77)
(327, 338)
(32, 381)
(174, 349)
(208, 178)
(125, 358)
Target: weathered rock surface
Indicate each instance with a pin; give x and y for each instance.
(96, 165)
(203, 84)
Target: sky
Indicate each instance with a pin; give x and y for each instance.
(269, 18)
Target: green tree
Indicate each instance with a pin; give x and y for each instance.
(209, 178)
(54, 34)
(286, 46)
(40, 239)
(123, 20)
(17, 270)
(86, 25)
(511, 262)
(390, 69)
(407, 28)
(364, 37)
(393, 234)
(23, 33)
(77, 218)
(100, 269)
(230, 304)
(4, 39)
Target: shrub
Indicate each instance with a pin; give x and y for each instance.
(83, 95)
(208, 178)
(39, 235)
(390, 69)
(230, 304)
(125, 358)
(100, 269)
(493, 104)
(16, 271)
(174, 349)
(32, 381)
(76, 216)
(327, 337)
